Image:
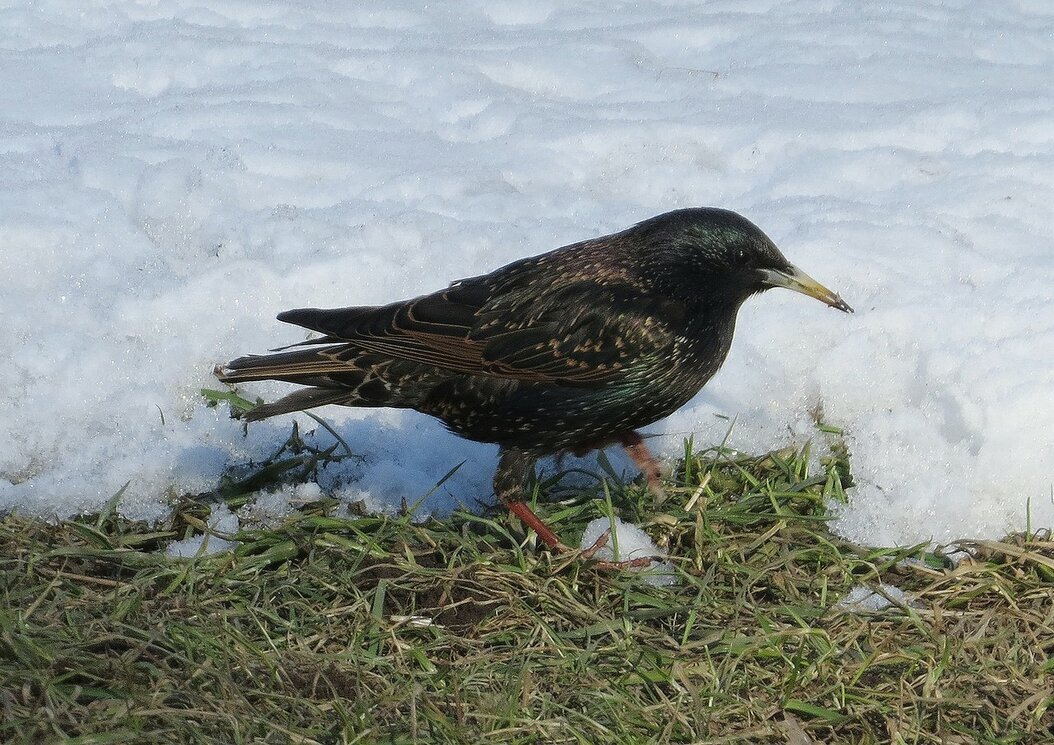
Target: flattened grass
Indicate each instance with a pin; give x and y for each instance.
(376, 629)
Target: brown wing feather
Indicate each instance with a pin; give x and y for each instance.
(581, 334)
(432, 329)
(575, 334)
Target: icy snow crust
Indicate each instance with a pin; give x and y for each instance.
(172, 176)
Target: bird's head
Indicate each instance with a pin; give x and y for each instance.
(718, 253)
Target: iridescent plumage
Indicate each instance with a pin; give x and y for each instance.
(567, 351)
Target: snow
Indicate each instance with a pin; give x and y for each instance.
(173, 175)
(864, 600)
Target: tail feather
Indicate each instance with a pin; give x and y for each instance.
(335, 380)
(296, 364)
(337, 374)
(306, 398)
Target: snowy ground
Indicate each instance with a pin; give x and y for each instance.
(172, 176)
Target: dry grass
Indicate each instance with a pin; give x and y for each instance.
(375, 629)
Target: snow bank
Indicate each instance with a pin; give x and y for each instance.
(173, 176)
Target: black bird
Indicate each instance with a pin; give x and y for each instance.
(567, 351)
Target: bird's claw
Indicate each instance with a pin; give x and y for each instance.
(600, 542)
(657, 492)
(549, 538)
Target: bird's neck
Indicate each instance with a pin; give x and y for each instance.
(710, 326)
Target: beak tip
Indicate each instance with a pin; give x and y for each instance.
(841, 305)
(795, 279)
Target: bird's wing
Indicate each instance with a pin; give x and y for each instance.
(585, 333)
(433, 329)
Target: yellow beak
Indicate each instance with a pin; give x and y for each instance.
(795, 279)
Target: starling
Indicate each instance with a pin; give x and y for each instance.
(571, 350)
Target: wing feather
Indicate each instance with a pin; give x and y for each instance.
(581, 333)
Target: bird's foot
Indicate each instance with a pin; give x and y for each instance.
(655, 487)
(550, 539)
(648, 464)
(535, 523)
(599, 543)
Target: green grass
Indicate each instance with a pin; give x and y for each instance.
(377, 629)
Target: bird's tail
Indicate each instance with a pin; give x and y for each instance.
(335, 374)
(298, 366)
(292, 366)
(305, 398)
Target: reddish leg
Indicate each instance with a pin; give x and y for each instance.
(513, 468)
(535, 523)
(645, 461)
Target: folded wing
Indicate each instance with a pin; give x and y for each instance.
(582, 333)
